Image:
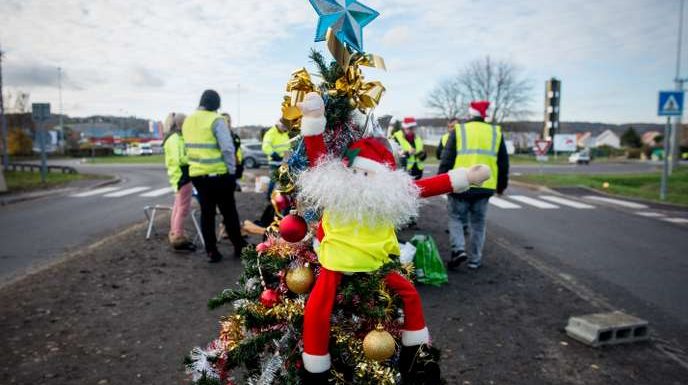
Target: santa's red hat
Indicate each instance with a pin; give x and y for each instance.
(479, 108)
(370, 154)
(409, 122)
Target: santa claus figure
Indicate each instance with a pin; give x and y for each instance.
(363, 198)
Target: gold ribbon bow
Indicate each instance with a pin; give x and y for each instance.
(298, 86)
(362, 94)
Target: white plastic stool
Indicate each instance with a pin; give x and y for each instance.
(150, 212)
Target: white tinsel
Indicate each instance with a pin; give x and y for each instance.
(200, 365)
(387, 197)
(240, 304)
(252, 283)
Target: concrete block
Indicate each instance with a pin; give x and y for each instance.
(607, 329)
(3, 185)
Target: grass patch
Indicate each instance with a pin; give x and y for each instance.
(148, 159)
(23, 181)
(643, 185)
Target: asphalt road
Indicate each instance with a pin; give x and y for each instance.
(632, 255)
(36, 231)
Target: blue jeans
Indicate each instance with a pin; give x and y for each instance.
(468, 213)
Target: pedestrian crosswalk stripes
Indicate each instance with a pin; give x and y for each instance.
(129, 191)
(533, 202)
(503, 203)
(650, 214)
(97, 191)
(617, 202)
(157, 193)
(566, 202)
(676, 220)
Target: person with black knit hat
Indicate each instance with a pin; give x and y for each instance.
(212, 168)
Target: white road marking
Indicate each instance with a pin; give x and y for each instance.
(566, 202)
(97, 191)
(126, 192)
(158, 192)
(533, 202)
(618, 202)
(676, 220)
(650, 214)
(503, 203)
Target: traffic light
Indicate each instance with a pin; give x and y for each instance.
(552, 104)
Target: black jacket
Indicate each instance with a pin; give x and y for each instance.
(449, 158)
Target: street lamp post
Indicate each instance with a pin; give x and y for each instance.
(675, 150)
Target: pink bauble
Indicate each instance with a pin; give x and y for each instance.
(282, 202)
(269, 298)
(293, 228)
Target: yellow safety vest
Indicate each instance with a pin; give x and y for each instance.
(175, 158)
(478, 143)
(445, 139)
(406, 146)
(276, 141)
(205, 157)
(356, 247)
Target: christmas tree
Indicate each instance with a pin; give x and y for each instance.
(324, 299)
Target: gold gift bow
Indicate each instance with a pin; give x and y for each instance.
(362, 95)
(298, 86)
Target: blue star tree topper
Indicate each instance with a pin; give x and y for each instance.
(346, 18)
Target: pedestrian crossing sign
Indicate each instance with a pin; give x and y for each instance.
(670, 103)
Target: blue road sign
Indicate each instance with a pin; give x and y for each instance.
(670, 103)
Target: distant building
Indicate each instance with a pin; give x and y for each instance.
(607, 138)
(584, 139)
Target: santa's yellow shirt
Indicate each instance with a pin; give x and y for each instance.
(356, 247)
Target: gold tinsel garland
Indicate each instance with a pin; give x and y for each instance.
(231, 331)
(366, 369)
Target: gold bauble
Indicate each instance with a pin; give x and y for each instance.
(300, 279)
(379, 345)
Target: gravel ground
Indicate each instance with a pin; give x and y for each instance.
(126, 311)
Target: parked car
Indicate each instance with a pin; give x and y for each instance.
(581, 157)
(146, 149)
(253, 155)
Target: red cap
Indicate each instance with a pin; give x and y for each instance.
(479, 108)
(370, 154)
(409, 122)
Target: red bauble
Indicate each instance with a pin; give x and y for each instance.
(282, 202)
(293, 228)
(269, 298)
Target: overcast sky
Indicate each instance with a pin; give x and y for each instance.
(147, 58)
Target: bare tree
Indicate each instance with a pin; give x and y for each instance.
(499, 82)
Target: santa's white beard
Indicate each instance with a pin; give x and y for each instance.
(386, 197)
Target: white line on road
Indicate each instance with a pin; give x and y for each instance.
(650, 214)
(157, 193)
(126, 192)
(676, 220)
(95, 192)
(533, 202)
(618, 202)
(566, 202)
(503, 203)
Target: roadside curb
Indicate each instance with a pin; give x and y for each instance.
(42, 194)
(532, 186)
(639, 200)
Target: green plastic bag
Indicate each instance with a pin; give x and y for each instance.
(429, 266)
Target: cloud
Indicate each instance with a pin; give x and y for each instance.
(155, 56)
(145, 78)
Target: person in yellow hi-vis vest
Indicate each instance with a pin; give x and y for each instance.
(212, 167)
(275, 145)
(451, 124)
(412, 148)
(471, 143)
(177, 166)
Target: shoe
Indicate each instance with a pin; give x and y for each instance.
(419, 365)
(474, 265)
(185, 246)
(214, 256)
(457, 258)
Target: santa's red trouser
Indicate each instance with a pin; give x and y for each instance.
(318, 312)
